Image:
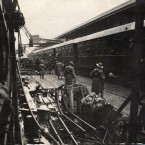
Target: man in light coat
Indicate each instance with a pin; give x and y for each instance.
(59, 69)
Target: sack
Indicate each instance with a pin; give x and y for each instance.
(89, 99)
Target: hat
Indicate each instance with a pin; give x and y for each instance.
(71, 62)
(99, 65)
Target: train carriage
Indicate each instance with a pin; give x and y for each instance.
(67, 53)
(112, 47)
(108, 38)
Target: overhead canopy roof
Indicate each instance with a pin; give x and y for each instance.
(117, 9)
(115, 30)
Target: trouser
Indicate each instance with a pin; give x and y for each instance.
(41, 75)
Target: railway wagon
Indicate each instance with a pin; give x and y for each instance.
(108, 38)
(67, 52)
(112, 47)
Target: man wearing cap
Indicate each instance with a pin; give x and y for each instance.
(98, 77)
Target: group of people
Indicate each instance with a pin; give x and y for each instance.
(97, 76)
(67, 71)
(44, 67)
(61, 70)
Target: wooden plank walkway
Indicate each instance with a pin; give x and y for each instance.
(113, 93)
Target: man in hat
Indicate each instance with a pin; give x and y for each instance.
(98, 77)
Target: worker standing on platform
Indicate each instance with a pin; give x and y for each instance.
(49, 67)
(59, 69)
(69, 74)
(98, 77)
(70, 79)
(42, 69)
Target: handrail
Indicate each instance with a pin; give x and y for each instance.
(56, 133)
(79, 127)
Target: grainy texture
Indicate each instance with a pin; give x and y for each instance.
(115, 94)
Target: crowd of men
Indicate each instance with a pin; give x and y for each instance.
(57, 68)
(67, 72)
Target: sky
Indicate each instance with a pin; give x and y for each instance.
(50, 18)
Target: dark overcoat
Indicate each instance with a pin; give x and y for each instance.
(98, 80)
(69, 75)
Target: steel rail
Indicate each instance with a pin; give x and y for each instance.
(61, 113)
(65, 127)
(56, 133)
(57, 97)
(45, 134)
(84, 122)
(70, 134)
(91, 141)
(79, 127)
(73, 122)
(62, 122)
(81, 120)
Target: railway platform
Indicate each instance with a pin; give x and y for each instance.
(113, 93)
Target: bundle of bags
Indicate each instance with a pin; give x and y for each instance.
(89, 99)
(94, 101)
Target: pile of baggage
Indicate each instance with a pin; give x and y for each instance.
(92, 103)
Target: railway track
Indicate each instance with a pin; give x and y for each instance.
(55, 123)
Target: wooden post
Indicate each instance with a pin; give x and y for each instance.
(136, 61)
(71, 100)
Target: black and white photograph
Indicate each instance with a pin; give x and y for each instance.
(72, 72)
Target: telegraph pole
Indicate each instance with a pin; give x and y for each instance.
(136, 62)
